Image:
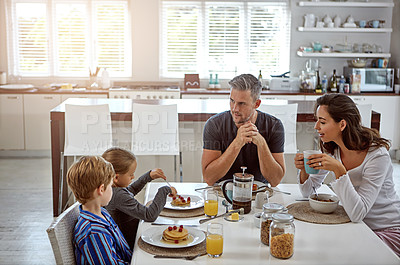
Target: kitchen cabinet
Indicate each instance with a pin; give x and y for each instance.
(37, 120)
(389, 108)
(11, 122)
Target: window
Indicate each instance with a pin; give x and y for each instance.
(66, 37)
(227, 38)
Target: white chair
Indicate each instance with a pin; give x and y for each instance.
(287, 113)
(60, 234)
(155, 131)
(366, 113)
(87, 132)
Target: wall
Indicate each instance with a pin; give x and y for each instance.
(395, 43)
(145, 39)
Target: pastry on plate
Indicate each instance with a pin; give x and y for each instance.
(178, 200)
(174, 234)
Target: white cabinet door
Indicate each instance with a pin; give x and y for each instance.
(37, 120)
(11, 122)
(66, 96)
(388, 107)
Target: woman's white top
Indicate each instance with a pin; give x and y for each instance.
(366, 192)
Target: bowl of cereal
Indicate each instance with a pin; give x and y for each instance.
(323, 203)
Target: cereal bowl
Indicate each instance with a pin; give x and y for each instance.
(326, 203)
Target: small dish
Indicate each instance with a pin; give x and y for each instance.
(326, 49)
(359, 62)
(228, 218)
(308, 49)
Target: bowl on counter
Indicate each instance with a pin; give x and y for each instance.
(359, 62)
(326, 203)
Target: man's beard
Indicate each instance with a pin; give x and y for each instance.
(245, 120)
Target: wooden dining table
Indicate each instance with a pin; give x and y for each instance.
(189, 110)
(347, 243)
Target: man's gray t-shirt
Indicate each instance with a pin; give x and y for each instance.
(220, 130)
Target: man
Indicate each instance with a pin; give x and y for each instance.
(243, 137)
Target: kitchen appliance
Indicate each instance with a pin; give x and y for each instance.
(369, 79)
(281, 83)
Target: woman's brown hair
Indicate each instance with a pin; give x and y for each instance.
(355, 136)
(120, 158)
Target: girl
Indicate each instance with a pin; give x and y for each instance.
(360, 160)
(123, 207)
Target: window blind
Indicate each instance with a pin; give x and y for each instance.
(65, 38)
(224, 37)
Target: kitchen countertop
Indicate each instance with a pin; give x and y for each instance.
(193, 91)
(53, 91)
(196, 91)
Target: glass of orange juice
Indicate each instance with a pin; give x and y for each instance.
(211, 203)
(215, 240)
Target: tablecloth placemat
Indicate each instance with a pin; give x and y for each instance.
(303, 211)
(180, 213)
(176, 252)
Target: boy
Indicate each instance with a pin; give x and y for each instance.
(97, 238)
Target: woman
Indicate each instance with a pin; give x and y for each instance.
(361, 163)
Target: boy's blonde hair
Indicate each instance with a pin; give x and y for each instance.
(120, 158)
(87, 174)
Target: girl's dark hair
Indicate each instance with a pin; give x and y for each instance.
(355, 136)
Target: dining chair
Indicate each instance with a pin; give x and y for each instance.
(287, 113)
(155, 132)
(88, 131)
(60, 233)
(366, 113)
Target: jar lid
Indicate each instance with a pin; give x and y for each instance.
(272, 207)
(282, 217)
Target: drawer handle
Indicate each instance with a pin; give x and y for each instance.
(48, 97)
(14, 97)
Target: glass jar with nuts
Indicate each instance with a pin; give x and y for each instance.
(266, 220)
(282, 236)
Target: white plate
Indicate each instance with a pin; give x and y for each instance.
(195, 202)
(153, 236)
(259, 184)
(228, 218)
(16, 86)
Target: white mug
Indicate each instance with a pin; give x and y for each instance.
(261, 198)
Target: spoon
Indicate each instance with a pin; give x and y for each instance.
(316, 194)
(167, 183)
(226, 204)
